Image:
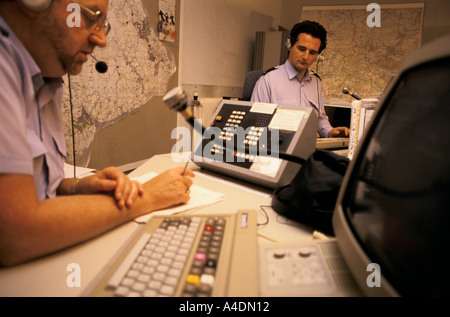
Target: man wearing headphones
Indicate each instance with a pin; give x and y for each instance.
(40, 210)
(292, 83)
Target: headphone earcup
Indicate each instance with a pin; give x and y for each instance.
(37, 5)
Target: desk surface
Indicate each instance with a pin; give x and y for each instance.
(48, 276)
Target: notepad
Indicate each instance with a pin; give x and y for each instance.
(200, 197)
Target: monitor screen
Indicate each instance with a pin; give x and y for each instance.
(339, 116)
(394, 203)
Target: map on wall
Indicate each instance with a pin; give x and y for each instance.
(139, 67)
(361, 57)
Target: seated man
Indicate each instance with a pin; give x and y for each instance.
(292, 83)
(40, 210)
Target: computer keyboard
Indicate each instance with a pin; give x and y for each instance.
(331, 143)
(204, 255)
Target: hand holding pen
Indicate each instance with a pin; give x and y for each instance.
(185, 168)
(184, 173)
(170, 187)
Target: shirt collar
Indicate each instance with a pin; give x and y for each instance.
(292, 72)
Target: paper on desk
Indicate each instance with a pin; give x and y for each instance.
(200, 197)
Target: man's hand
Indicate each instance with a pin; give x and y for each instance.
(111, 180)
(169, 188)
(339, 132)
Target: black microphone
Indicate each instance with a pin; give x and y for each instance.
(100, 66)
(348, 92)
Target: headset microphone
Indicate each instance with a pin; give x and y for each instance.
(100, 66)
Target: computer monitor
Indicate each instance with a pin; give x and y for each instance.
(393, 207)
(339, 116)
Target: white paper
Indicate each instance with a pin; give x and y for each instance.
(286, 119)
(200, 197)
(268, 166)
(267, 108)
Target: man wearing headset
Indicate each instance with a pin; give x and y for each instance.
(292, 83)
(40, 210)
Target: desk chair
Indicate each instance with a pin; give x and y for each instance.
(250, 80)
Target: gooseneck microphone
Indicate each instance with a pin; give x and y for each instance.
(177, 100)
(348, 92)
(100, 66)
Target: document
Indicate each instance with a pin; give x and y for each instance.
(200, 197)
(287, 119)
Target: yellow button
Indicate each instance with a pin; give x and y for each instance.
(193, 279)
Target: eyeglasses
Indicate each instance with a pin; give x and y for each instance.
(95, 18)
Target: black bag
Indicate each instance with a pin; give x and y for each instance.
(311, 197)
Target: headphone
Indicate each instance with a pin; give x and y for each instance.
(37, 5)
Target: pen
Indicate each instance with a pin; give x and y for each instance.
(185, 168)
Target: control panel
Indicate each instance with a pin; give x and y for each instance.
(244, 139)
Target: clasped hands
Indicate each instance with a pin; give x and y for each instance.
(169, 188)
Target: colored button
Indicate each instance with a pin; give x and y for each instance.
(200, 257)
(193, 279)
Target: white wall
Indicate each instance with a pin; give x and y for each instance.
(217, 38)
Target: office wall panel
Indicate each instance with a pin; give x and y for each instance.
(218, 40)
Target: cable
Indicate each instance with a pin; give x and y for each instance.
(317, 82)
(73, 131)
(265, 215)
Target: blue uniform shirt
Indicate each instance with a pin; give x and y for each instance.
(283, 86)
(31, 133)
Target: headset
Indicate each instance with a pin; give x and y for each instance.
(37, 5)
